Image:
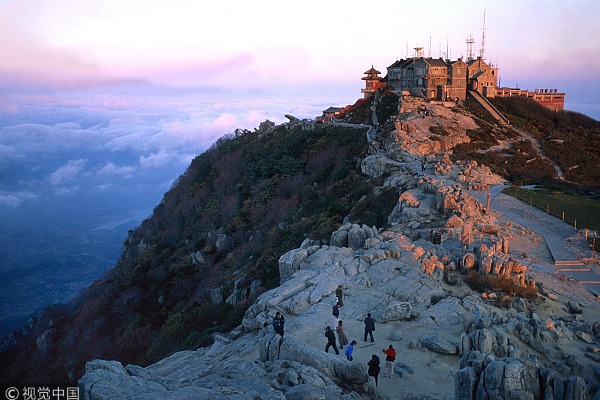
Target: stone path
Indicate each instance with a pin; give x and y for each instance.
(554, 231)
(485, 103)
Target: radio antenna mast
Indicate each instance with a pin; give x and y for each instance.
(482, 50)
(470, 42)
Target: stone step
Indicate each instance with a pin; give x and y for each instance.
(562, 263)
(572, 270)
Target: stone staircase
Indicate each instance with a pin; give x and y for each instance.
(502, 120)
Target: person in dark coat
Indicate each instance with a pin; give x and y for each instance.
(369, 327)
(374, 368)
(330, 341)
(336, 315)
(339, 295)
(278, 323)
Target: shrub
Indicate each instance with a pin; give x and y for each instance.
(498, 284)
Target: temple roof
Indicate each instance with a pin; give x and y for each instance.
(372, 71)
(332, 110)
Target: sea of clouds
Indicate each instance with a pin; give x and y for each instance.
(75, 162)
(61, 146)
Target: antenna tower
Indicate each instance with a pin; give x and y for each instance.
(469, 41)
(482, 50)
(429, 46)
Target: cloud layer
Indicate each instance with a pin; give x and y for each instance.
(91, 143)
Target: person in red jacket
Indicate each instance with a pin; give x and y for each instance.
(390, 357)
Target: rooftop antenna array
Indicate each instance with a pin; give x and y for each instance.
(482, 50)
(469, 41)
(429, 46)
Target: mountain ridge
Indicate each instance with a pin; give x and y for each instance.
(281, 165)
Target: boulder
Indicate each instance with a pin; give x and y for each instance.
(290, 263)
(356, 238)
(574, 307)
(339, 238)
(395, 311)
(521, 374)
(465, 383)
(110, 380)
(396, 335)
(438, 345)
(333, 366)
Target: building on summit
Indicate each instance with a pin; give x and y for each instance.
(445, 80)
(439, 79)
(549, 98)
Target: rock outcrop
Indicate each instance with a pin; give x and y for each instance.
(452, 342)
(486, 377)
(286, 369)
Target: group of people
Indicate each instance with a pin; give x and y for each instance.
(338, 326)
(374, 368)
(330, 334)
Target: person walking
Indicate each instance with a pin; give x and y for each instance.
(336, 315)
(330, 341)
(341, 335)
(390, 357)
(369, 327)
(350, 350)
(278, 323)
(374, 368)
(339, 295)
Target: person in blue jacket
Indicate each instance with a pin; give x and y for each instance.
(349, 350)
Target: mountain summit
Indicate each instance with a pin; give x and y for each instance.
(467, 296)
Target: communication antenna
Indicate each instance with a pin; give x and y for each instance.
(429, 46)
(482, 50)
(469, 41)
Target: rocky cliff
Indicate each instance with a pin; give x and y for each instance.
(445, 281)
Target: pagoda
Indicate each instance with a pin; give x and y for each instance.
(372, 82)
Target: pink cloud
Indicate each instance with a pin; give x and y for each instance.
(27, 60)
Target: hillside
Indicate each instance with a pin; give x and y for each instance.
(486, 317)
(556, 150)
(212, 246)
(207, 251)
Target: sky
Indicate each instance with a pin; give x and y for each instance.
(248, 44)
